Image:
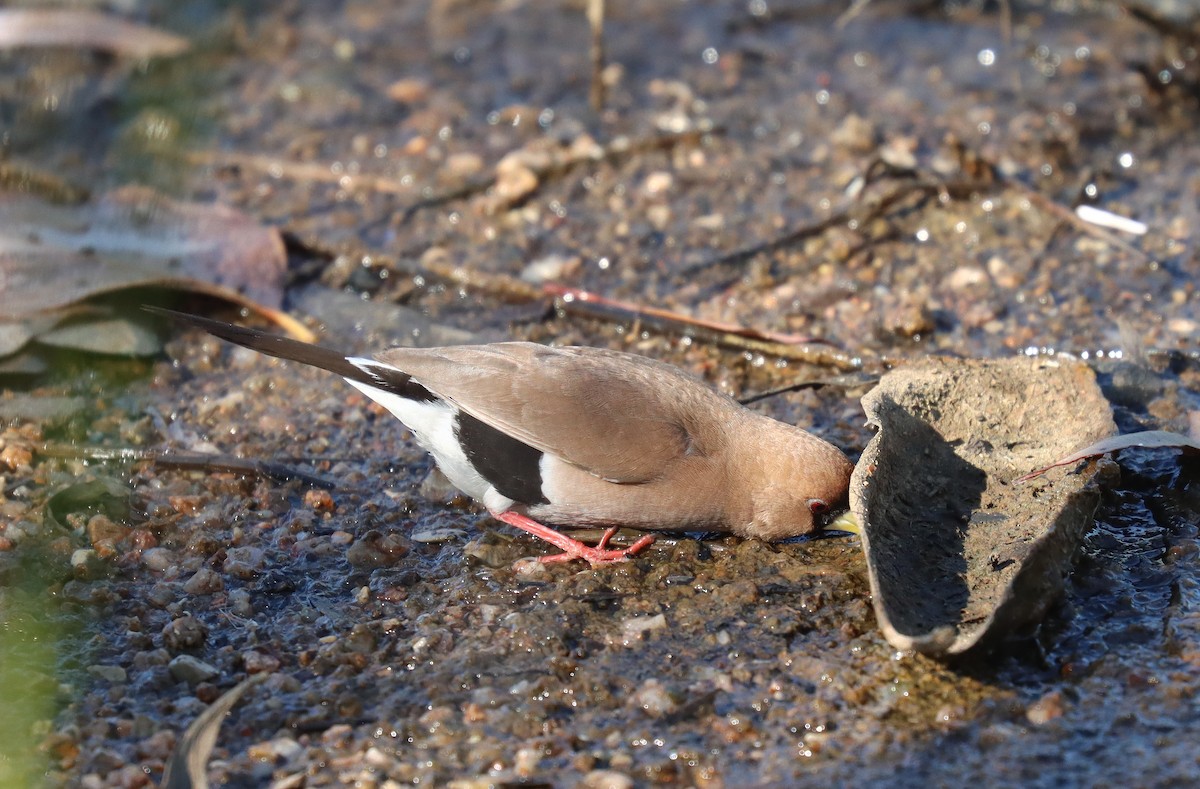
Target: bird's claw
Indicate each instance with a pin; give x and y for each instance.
(599, 554)
(573, 549)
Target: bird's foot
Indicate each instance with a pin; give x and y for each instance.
(573, 549)
(598, 554)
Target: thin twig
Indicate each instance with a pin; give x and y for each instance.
(301, 172)
(861, 214)
(188, 460)
(510, 288)
(595, 17)
(737, 338)
(847, 16)
(855, 215)
(852, 380)
(1067, 216)
(26, 178)
(570, 296)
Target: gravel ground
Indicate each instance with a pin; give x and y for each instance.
(898, 186)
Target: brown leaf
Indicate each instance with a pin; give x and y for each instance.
(78, 28)
(52, 255)
(186, 768)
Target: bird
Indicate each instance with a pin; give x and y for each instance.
(575, 436)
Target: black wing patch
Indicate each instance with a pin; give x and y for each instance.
(389, 379)
(511, 466)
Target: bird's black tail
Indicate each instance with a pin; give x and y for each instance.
(380, 376)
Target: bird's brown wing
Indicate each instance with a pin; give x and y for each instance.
(621, 417)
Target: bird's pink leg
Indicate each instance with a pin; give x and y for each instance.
(608, 533)
(573, 549)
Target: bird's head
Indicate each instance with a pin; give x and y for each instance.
(803, 487)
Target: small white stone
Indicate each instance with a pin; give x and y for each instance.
(437, 535)
(191, 670)
(634, 628)
(658, 182)
(158, 559)
(653, 699)
(606, 779)
(965, 277)
(550, 268)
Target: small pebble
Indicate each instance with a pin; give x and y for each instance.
(653, 699)
(489, 554)
(606, 779)
(192, 670)
(1184, 326)
(18, 530)
(551, 268)
(636, 627)
(514, 182)
(205, 581)
(157, 746)
(1046, 709)
(207, 692)
(142, 540)
(158, 559)
(100, 528)
(378, 759)
(530, 569)
(106, 760)
(281, 749)
(855, 133)
(1002, 272)
(257, 663)
(186, 505)
(241, 603)
(658, 182)
(319, 500)
(161, 595)
(437, 535)
(378, 550)
(409, 90)
(244, 562)
(184, 633)
(526, 761)
(460, 166)
(659, 216)
(87, 564)
(150, 658)
(14, 457)
(965, 277)
(909, 317)
(900, 152)
(434, 487)
(113, 674)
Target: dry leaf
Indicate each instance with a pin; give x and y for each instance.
(187, 766)
(82, 29)
(1147, 439)
(53, 255)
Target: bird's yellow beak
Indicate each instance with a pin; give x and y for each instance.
(845, 522)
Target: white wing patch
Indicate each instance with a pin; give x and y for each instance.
(432, 424)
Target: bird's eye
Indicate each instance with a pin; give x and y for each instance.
(818, 506)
